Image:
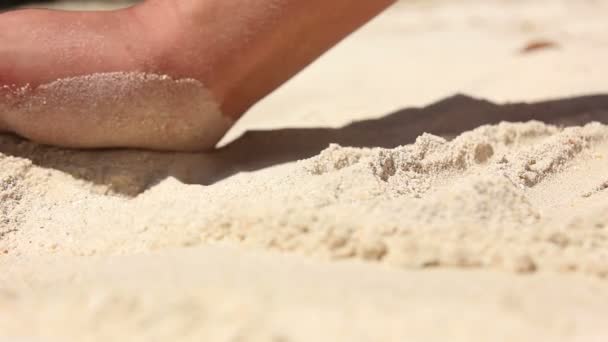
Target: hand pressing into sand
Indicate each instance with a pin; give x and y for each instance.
(167, 75)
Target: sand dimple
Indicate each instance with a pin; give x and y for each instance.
(468, 202)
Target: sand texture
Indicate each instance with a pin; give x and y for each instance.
(116, 109)
(520, 196)
(376, 207)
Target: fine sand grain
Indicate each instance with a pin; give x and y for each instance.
(116, 109)
(344, 207)
(515, 196)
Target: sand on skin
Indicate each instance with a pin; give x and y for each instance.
(116, 109)
(486, 228)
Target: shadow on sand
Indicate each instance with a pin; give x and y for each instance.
(263, 148)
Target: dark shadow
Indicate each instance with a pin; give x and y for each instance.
(11, 4)
(259, 149)
(448, 118)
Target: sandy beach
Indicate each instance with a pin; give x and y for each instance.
(441, 175)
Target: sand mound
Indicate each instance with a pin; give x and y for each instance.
(483, 199)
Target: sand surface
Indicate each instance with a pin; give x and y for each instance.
(364, 201)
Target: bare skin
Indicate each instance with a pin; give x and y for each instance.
(239, 51)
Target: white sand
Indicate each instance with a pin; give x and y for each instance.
(477, 230)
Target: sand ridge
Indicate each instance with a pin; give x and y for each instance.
(459, 203)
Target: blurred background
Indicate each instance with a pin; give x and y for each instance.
(421, 51)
